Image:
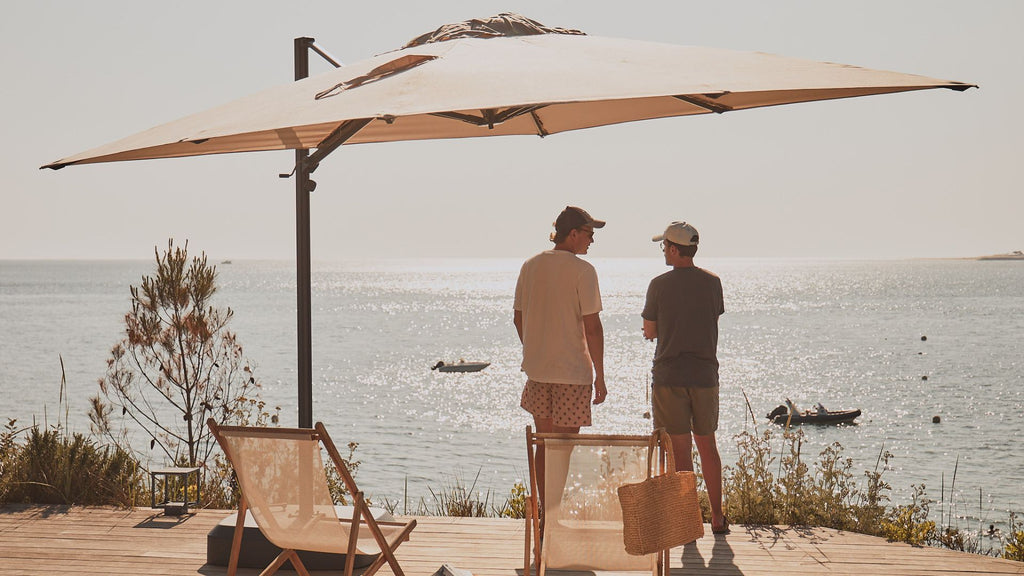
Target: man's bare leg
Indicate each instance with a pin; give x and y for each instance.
(711, 468)
(544, 425)
(682, 449)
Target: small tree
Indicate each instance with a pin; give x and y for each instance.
(177, 365)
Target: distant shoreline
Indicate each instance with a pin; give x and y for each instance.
(1015, 255)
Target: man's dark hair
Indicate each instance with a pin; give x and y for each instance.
(683, 250)
(559, 236)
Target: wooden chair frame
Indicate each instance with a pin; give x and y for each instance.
(362, 517)
(533, 540)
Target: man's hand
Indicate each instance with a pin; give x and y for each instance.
(600, 391)
(650, 329)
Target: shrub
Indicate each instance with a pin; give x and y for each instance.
(8, 453)
(909, 522)
(749, 487)
(1013, 547)
(824, 493)
(515, 504)
(53, 467)
(177, 365)
(457, 500)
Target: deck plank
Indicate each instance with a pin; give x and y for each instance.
(94, 541)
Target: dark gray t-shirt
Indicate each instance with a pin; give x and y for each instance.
(686, 304)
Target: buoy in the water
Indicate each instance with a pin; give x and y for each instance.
(923, 338)
(936, 419)
(924, 377)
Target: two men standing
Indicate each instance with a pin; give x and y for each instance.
(556, 313)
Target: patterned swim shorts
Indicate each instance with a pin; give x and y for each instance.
(567, 405)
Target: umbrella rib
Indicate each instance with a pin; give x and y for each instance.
(491, 116)
(703, 102)
(511, 113)
(541, 131)
(467, 118)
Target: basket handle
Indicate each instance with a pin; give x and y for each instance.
(660, 436)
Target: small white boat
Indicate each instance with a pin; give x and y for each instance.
(460, 366)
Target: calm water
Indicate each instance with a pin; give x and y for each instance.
(846, 333)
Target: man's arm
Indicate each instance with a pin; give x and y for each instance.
(650, 329)
(594, 332)
(517, 319)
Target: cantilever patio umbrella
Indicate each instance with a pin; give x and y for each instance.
(501, 76)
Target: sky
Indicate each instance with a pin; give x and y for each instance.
(927, 174)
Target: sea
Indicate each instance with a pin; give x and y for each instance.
(932, 352)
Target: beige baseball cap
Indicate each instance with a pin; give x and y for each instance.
(679, 233)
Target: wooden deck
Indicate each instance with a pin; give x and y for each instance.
(104, 541)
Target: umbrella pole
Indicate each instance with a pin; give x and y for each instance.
(303, 187)
(302, 265)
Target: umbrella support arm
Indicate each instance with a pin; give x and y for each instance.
(335, 139)
(303, 187)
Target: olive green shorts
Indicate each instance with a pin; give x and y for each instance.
(682, 410)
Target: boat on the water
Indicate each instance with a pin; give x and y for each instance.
(788, 413)
(460, 366)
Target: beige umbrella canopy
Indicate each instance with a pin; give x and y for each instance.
(500, 76)
(459, 83)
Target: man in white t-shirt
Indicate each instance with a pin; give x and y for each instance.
(557, 307)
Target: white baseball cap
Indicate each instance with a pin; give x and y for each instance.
(679, 233)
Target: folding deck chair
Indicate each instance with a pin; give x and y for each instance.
(577, 525)
(284, 488)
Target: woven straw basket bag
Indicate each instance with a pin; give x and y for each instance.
(660, 512)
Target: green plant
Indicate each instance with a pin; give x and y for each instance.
(871, 509)
(8, 453)
(833, 489)
(458, 500)
(1013, 546)
(954, 539)
(749, 485)
(909, 522)
(53, 467)
(340, 492)
(822, 493)
(515, 504)
(794, 500)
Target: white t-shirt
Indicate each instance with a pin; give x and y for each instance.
(554, 292)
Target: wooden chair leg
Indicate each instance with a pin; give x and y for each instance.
(283, 557)
(353, 534)
(300, 568)
(236, 538)
(529, 531)
(387, 553)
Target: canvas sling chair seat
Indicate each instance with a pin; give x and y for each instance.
(284, 487)
(577, 525)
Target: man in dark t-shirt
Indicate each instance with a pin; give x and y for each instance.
(681, 312)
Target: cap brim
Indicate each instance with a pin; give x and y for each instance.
(597, 224)
(658, 238)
